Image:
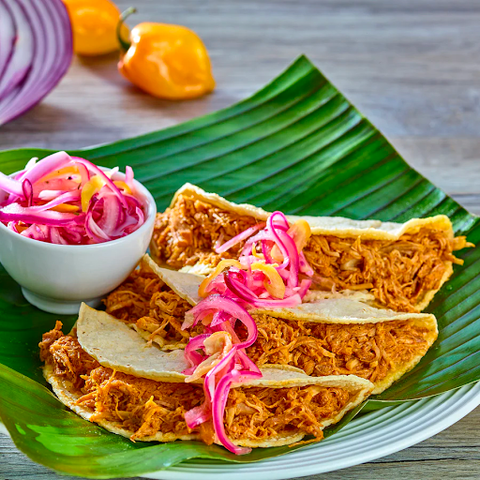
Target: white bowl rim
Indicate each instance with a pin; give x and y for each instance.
(151, 212)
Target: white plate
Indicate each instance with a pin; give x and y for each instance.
(366, 438)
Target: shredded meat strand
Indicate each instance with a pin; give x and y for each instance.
(398, 273)
(64, 353)
(368, 350)
(146, 407)
(187, 233)
(146, 302)
(261, 413)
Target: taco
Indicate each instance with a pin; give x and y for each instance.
(399, 266)
(335, 335)
(153, 301)
(103, 372)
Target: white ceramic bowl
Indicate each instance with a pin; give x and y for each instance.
(57, 278)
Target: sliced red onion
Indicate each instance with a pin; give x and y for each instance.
(247, 375)
(198, 415)
(219, 317)
(219, 378)
(140, 215)
(56, 237)
(280, 220)
(229, 328)
(51, 218)
(237, 287)
(53, 162)
(47, 195)
(94, 231)
(240, 237)
(266, 249)
(249, 297)
(195, 315)
(262, 235)
(75, 234)
(23, 51)
(97, 171)
(27, 190)
(110, 214)
(108, 222)
(73, 237)
(304, 286)
(36, 232)
(129, 178)
(64, 198)
(191, 354)
(210, 381)
(248, 286)
(304, 265)
(135, 217)
(9, 185)
(8, 34)
(203, 413)
(39, 57)
(217, 384)
(219, 403)
(248, 364)
(214, 303)
(287, 247)
(221, 393)
(31, 163)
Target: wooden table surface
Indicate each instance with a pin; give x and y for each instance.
(412, 67)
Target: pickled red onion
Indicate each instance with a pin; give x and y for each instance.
(28, 202)
(228, 368)
(258, 289)
(241, 236)
(230, 308)
(232, 286)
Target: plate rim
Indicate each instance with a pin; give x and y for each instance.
(236, 471)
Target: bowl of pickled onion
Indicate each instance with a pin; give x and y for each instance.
(71, 231)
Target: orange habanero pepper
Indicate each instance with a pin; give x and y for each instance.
(166, 61)
(94, 24)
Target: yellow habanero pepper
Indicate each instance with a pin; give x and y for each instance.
(94, 25)
(202, 289)
(166, 61)
(274, 285)
(90, 189)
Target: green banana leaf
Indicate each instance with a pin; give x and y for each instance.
(299, 146)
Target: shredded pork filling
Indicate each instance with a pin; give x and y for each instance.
(368, 350)
(187, 233)
(146, 407)
(398, 273)
(145, 302)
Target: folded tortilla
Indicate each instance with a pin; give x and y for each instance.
(153, 301)
(333, 335)
(399, 266)
(107, 374)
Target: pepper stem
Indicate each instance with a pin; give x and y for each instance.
(125, 45)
